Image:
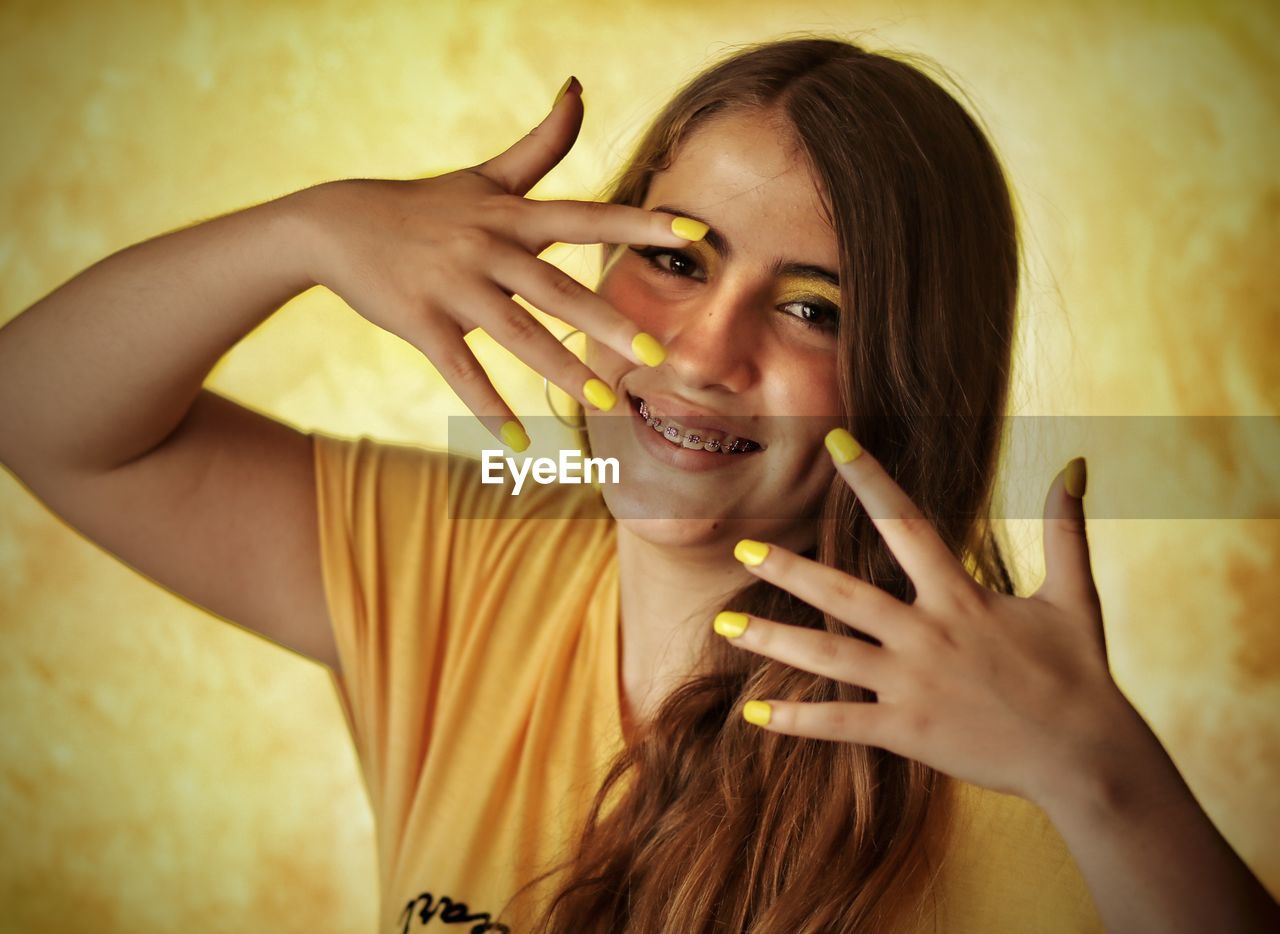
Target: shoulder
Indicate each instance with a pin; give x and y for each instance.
(462, 486)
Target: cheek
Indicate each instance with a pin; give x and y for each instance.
(807, 385)
(630, 296)
(634, 301)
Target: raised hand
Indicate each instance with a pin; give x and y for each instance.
(1007, 692)
(431, 259)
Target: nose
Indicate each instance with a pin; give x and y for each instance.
(713, 343)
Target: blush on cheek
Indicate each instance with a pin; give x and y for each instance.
(635, 302)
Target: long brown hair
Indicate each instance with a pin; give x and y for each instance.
(727, 827)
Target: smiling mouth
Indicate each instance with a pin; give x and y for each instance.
(696, 439)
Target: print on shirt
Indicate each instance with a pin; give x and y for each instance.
(451, 912)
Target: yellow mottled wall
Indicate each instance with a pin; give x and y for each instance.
(162, 770)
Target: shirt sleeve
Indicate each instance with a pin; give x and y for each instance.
(418, 554)
(388, 553)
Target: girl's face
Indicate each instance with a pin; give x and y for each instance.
(748, 317)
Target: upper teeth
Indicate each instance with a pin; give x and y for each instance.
(704, 439)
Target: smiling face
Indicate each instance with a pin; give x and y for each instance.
(748, 318)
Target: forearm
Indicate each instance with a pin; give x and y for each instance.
(1152, 859)
(104, 368)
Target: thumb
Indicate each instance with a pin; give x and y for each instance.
(1068, 576)
(521, 166)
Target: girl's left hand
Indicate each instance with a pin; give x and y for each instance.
(1012, 693)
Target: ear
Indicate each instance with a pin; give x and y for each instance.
(525, 162)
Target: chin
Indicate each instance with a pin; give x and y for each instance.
(667, 505)
(677, 533)
(669, 516)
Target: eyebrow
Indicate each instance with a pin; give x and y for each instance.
(721, 245)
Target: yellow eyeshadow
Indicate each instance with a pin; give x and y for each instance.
(797, 289)
(702, 251)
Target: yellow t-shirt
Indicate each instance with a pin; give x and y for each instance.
(480, 679)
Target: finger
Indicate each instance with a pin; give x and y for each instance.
(863, 606)
(911, 537)
(521, 333)
(840, 658)
(1068, 575)
(859, 722)
(454, 361)
(565, 221)
(525, 162)
(551, 290)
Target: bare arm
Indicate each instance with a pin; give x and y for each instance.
(102, 416)
(1151, 857)
(1011, 693)
(102, 411)
(103, 369)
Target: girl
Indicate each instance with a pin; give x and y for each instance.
(776, 679)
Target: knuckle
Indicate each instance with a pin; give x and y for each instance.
(502, 205)
(501, 213)
(846, 591)
(828, 648)
(918, 721)
(521, 326)
(915, 523)
(928, 639)
(968, 598)
(838, 717)
(921, 674)
(472, 241)
(597, 210)
(459, 370)
(1073, 525)
(567, 287)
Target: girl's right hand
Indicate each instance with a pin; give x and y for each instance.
(432, 259)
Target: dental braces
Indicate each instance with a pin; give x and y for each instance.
(672, 433)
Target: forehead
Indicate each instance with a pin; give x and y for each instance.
(746, 175)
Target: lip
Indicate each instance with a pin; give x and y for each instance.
(680, 457)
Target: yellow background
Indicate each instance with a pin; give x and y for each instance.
(161, 770)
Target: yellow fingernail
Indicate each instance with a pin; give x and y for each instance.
(563, 91)
(757, 712)
(1076, 478)
(842, 446)
(599, 394)
(647, 348)
(688, 228)
(513, 436)
(750, 552)
(730, 624)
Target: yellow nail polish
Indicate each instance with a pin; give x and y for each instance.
(563, 91)
(513, 436)
(599, 394)
(647, 348)
(730, 624)
(757, 712)
(842, 446)
(688, 228)
(750, 552)
(1077, 477)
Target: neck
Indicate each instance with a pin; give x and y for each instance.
(668, 596)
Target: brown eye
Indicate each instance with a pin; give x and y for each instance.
(819, 316)
(681, 265)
